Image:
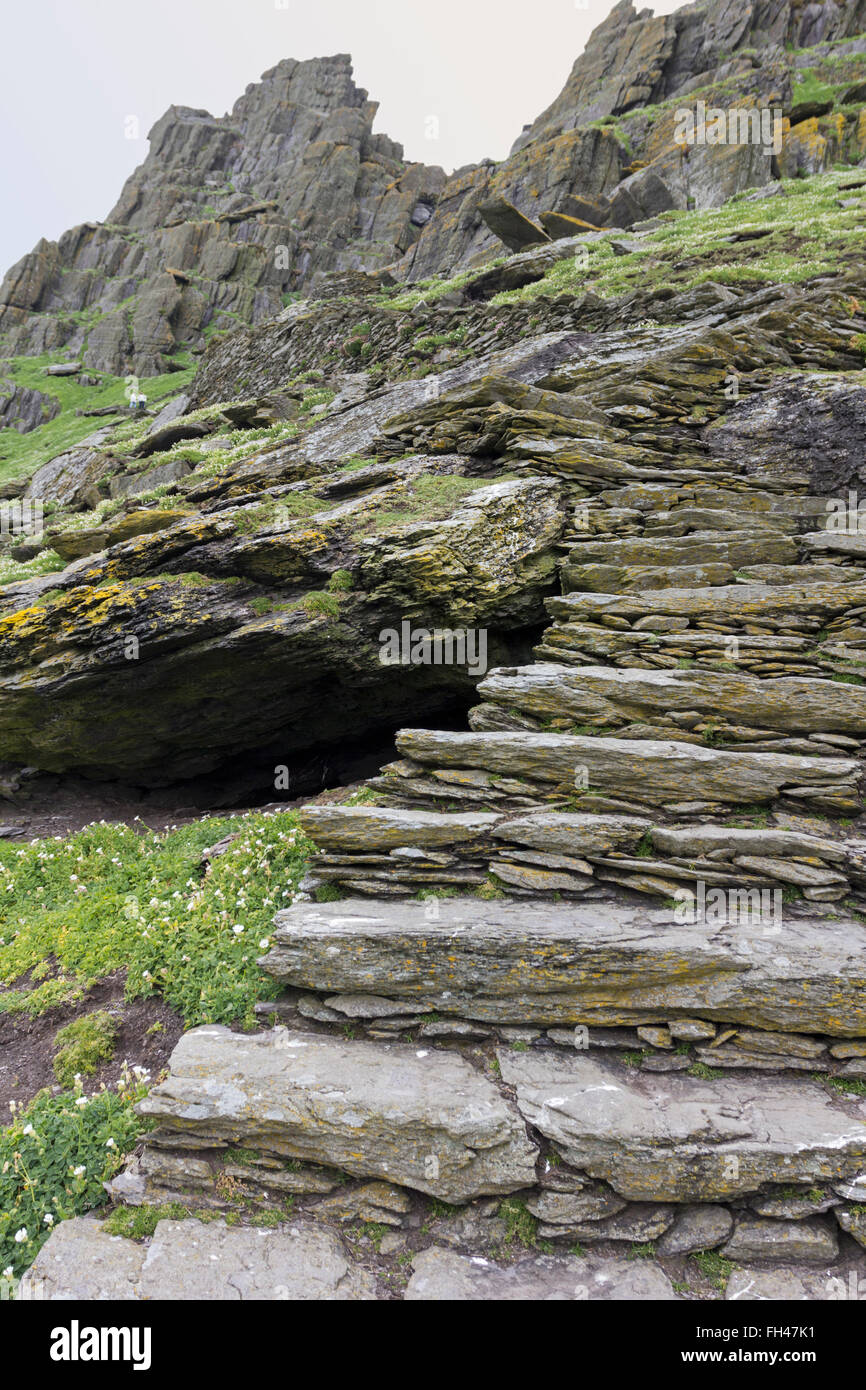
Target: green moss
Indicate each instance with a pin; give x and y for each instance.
(319, 602)
(703, 1072)
(521, 1227)
(329, 893)
(243, 1157)
(83, 1045)
(340, 581)
(139, 1223)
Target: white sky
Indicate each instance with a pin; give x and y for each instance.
(76, 69)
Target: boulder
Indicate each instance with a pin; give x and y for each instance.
(510, 225)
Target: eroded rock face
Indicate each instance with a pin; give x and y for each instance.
(292, 182)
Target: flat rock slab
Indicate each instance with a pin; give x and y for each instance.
(651, 770)
(794, 1242)
(677, 1138)
(420, 1118)
(369, 828)
(444, 1275)
(787, 703)
(193, 1260)
(749, 602)
(749, 1285)
(604, 963)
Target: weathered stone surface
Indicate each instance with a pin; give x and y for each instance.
(421, 1119)
(509, 224)
(755, 603)
(164, 723)
(651, 770)
(781, 1285)
(673, 1138)
(444, 1275)
(854, 1222)
(700, 1227)
(568, 1208)
(638, 1224)
(807, 1242)
(614, 695)
(348, 828)
(188, 1260)
(518, 962)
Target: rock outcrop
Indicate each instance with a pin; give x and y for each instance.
(580, 973)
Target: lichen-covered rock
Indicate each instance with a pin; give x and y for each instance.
(545, 963)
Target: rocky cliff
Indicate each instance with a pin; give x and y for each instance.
(229, 215)
(585, 956)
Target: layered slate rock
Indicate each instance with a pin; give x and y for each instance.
(650, 771)
(439, 1275)
(424, 1119)
(681, 1139)
(603, 963)
(223, 216)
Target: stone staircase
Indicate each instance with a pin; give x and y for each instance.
(587, 979)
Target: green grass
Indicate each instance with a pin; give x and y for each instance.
(114, 897)
(714, 1267)
(430, 497)
(138, 1223)
(521, 1227)
(808, 86)
(22, 454)
(809, 232)
(83, 1045)
(54, 1158)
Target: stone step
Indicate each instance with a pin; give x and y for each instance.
(557, 965)
(676, 1138)
(677, 776)
(757, 546)
(423, 1119)
(809, 605)
(303, 1260)
(808, 627)
(615, 696)
(439, 1274)
(364, 848)
(191, 1259)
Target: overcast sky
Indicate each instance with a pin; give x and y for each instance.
(75, 70)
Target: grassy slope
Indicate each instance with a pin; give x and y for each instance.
(22, 454)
